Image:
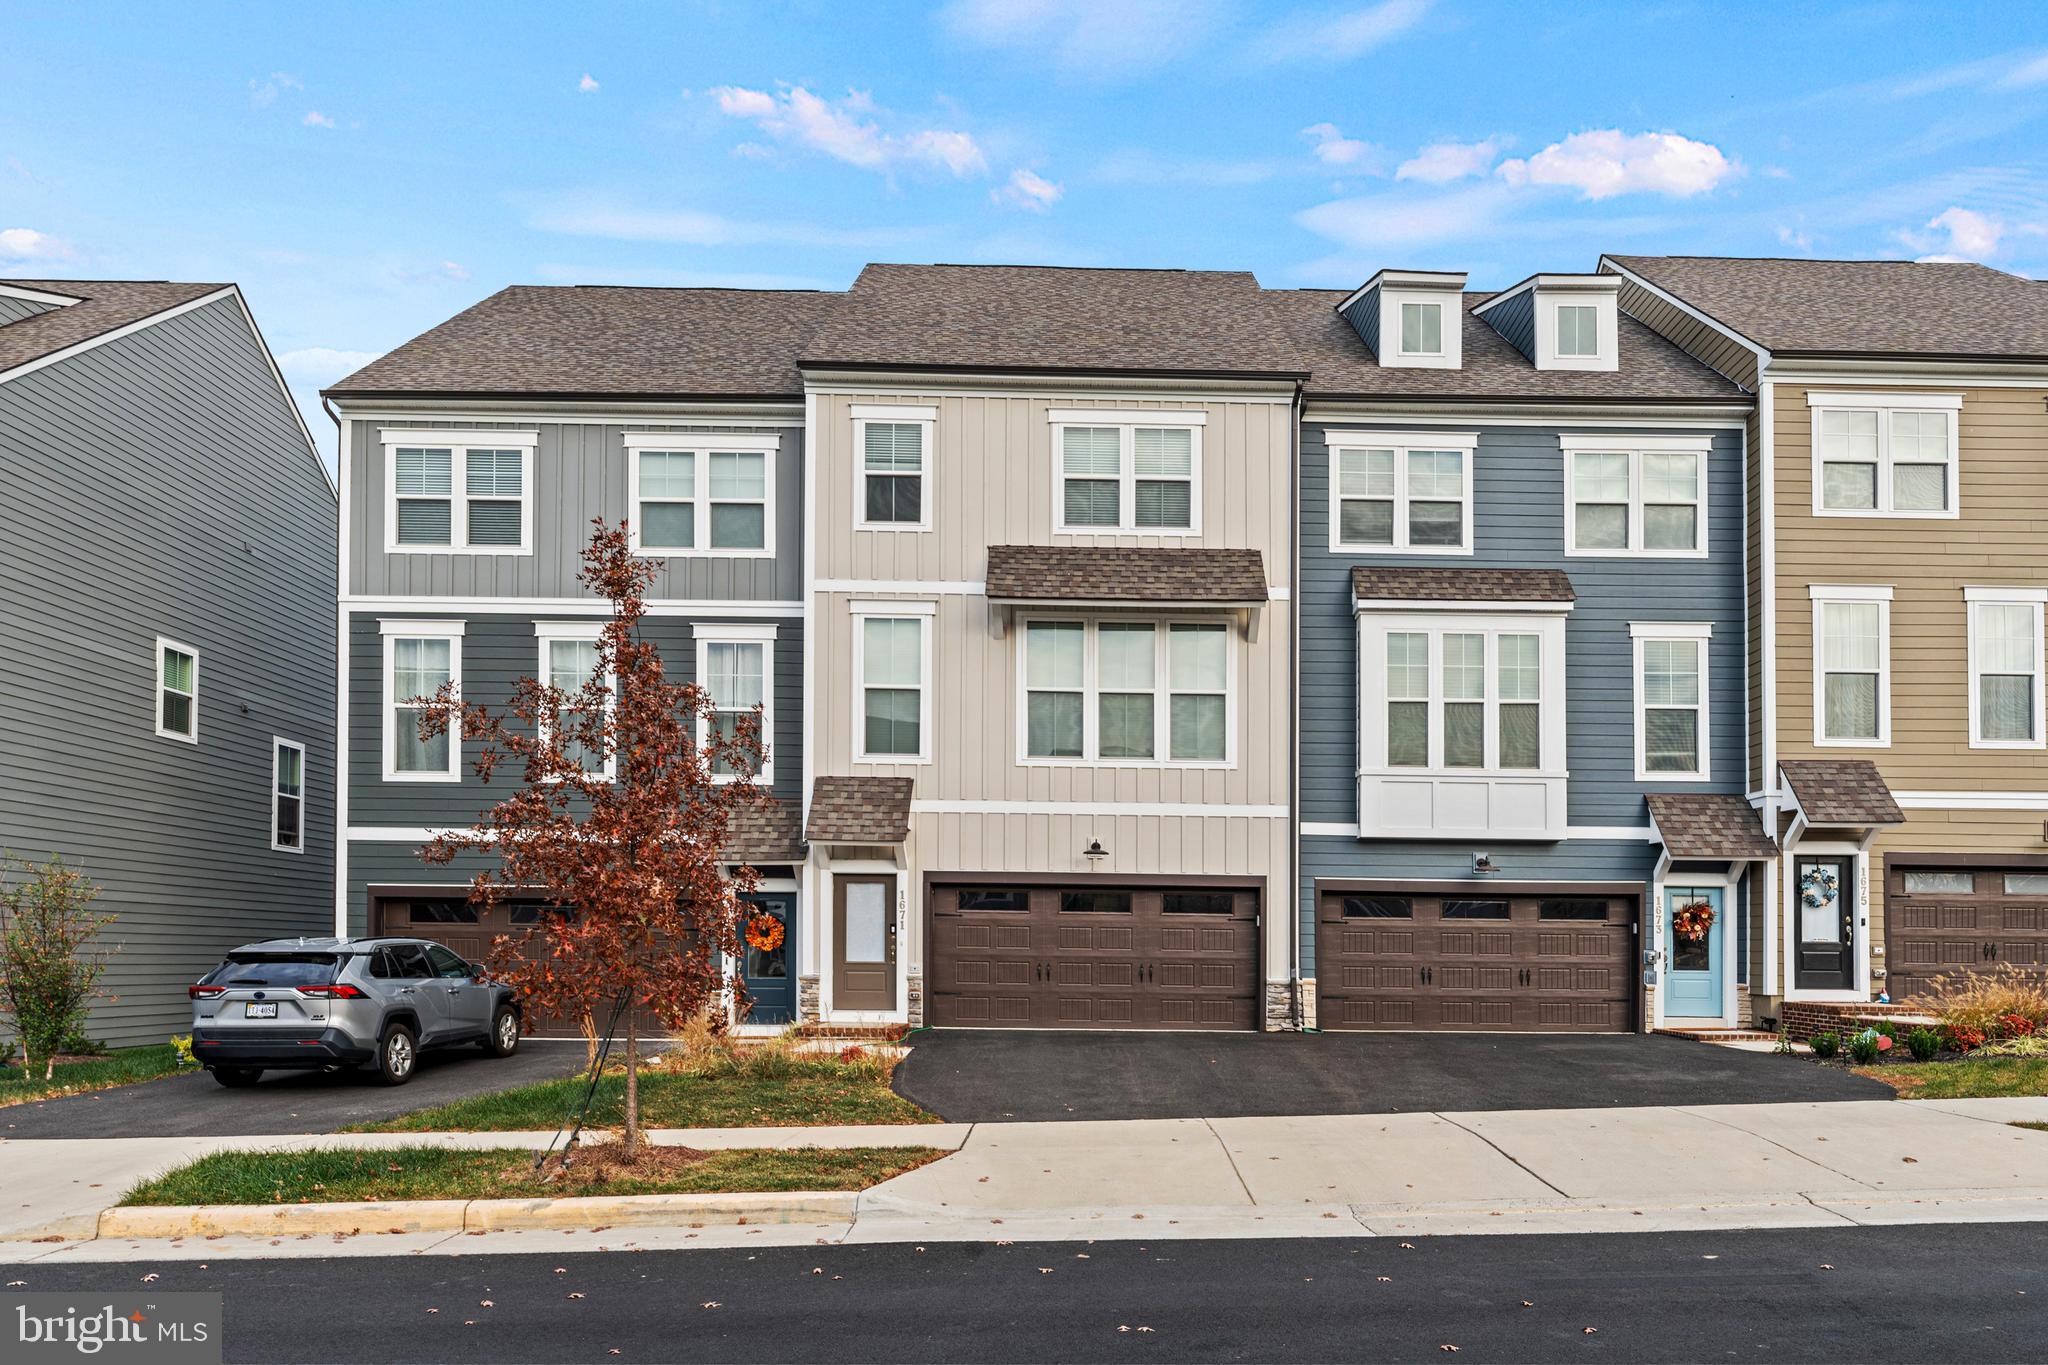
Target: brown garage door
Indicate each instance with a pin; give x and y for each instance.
(1949, 920)
(1390, 960)
(1109, 957)
(469, 930)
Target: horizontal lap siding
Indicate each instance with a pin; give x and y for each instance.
(1706, 344)
(160, 485)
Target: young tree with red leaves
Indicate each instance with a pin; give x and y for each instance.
(627, 785)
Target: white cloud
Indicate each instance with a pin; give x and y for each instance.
(1957, 234)
(1607, 162)
(1442, 162)
(1027, 190)
(1147, 168)
(1332, 148)
(1096, 39)
(1798, 239)
(1342, 36)
(798, 118)
(585, 215)
(322, 364)
(2031, 72)
(1400, 219)
(315, 119)
(264, 93)
(454, 270)
(20, 244)
(587, 84)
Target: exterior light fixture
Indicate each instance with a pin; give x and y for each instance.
(1095, 852)
(1482, 865)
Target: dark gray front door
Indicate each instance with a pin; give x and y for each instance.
(1824, 892)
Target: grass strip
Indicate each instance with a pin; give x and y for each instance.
(122, 1066)
(1968, 1078)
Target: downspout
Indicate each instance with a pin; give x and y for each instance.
(1297, 1007)
(341, 697)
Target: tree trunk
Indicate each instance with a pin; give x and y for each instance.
(586, 1020)
(632, 1080)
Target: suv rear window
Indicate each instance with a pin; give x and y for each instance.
(274, 969)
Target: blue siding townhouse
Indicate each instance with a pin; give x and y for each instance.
(1521, 689)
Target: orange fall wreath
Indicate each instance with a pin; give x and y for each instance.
(765, 933)
(1691, 922)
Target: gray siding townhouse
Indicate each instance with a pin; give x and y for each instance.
(166, 596)
(1521, 613)
(474, 459)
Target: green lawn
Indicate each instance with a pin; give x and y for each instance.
(806, 1093)
(123, 1066)
(331, 1175)
(1971, 1078)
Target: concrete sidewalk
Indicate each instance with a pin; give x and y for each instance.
(1556, 1170)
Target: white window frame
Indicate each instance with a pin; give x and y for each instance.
(391, 630)
(1884, 405)
(1642, 633)
(277, 794)
(1091, 692)
(156, 700)
(1548, 323)
(702, 445)
(1572, 445)
(546, 634)
(922, 613)
(709, 633)
(1451, 331)
(927, 420)
(458, 444)
(1402, 443)
(1872, 595)
(1127, 422)
(2035, 598)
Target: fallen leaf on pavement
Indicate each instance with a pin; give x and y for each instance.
(575, 1295)
(1589, 1331)
(713, 1304)
(1528, 1303)
(150, 1278)
(1447, 1347)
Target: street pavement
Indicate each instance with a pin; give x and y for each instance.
(1851, 1294)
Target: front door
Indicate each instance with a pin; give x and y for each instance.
(1825, 893)
(771, 993)
(1693, 988)
(864, 943)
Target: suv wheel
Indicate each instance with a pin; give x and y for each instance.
(236, 1077)
(504, 1039)
(396, 1055)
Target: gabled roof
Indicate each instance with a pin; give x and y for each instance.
(860, 810)
(606, 341)
(1841, 791)
(1709, 825)
(102, 306)
(1374, 584)
(1026, 319)
(1125, 573)
(1903, 308)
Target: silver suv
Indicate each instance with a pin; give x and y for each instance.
(327, 1003)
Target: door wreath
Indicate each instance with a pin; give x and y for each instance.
(1818, 887)
(765, 933)
(1692, 920)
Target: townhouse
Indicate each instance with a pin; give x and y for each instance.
(166, 588)
(1896, 583)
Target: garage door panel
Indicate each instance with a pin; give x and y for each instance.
(1945, 920)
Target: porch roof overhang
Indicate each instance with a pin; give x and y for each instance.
(1708, 827)
(1374, 588)
(1152, 579)
(870, 811)
(1839, 793)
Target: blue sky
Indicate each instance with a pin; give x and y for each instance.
(366, 171)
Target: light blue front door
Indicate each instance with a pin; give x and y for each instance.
(1692, 988)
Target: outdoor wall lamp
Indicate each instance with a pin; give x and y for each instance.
(1482, 865)
(1095, 852)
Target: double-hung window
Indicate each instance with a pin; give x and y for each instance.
(2005, 667)
(1671, 701)
(568, 663)
(702, 494)
(1409, 493)
(735, 668)
(1852, 687)
(1128, 692)
(420, 657)
(1132, 472)
(1884, 455)
(287, 796)
(1469, 699)
(894, 448)
(177, 691)
(892, 658)
(469, 491)
(1637, 495)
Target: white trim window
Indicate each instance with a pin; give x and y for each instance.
(1852, 665)
(419, 657)
(287, 796)
(1673, 730)
(1422, 327)
(2005, 667)
(1401, 492)
(459, 492)
(1578, 331)
(1635, 496)
(1128, 693)
(702, 494)
(568, 661)
(736, 668)
(177, 690)
(892, 657)
(894, 446)
(1127, 473)
(1885, 455)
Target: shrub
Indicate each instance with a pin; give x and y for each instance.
(1824, 1044)
(2032, 1045)
(50, 958)
(1964, 1038)
(1784, 1046)
(2003, 1002)
(1863, 1047)
(1923, 1043)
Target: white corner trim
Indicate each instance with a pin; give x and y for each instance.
(1136, 417)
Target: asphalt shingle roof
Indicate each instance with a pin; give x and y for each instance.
(1842, 791)
(1373, 584)
(770, 832)
(104, 306)
(860, 810)
(1709, 825)
(1935, 308)
(1122, 573)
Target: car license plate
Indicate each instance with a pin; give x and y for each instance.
(262, 1011)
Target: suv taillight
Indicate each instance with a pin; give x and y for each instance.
(205, 992)
(340, 992)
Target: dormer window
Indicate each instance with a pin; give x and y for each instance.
(1560, 322)
(1578, 329)
(1412, 319)
(1422, 329)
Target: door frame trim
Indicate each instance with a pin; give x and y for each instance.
(828, 899)
(1729, 883)
(1858, 853)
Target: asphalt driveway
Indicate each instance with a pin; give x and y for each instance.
(990, 1076)
(196, 1105)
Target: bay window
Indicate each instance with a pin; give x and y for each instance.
(1887, 455)
(1401, 492)
(2005, 667)
(1127, 692)
(1135, 472)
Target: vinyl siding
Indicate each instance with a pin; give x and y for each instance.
(1364, 317)
(160, 484)
(14, 310)
(1703, 342)
(1516, 320)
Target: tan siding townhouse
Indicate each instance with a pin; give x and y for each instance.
(1899, 575)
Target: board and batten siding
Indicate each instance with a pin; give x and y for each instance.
(581, 472)
(160, 485)
(1518, 523)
